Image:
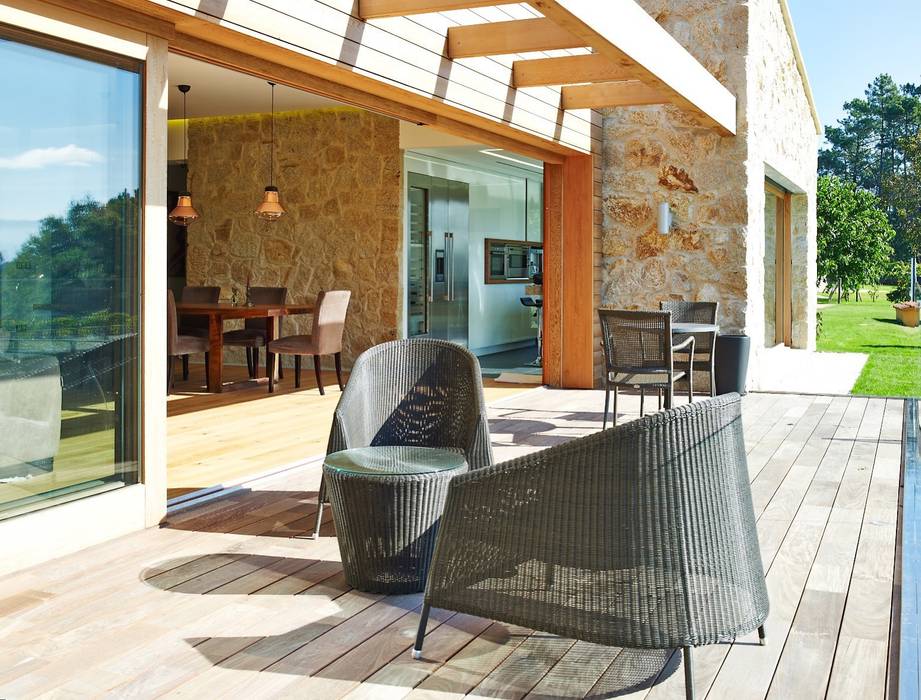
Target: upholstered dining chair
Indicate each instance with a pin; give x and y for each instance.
(196, 325)
(704, 343)
(325, 339)
(638, 353)
(179, 345)
(253, 334)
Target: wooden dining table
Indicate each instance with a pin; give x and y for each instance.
(218, 313)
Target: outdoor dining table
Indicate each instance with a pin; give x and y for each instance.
(218, 313)
(690, 328)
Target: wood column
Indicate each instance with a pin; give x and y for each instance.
(568, 273)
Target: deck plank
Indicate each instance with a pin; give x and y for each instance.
(226, 602)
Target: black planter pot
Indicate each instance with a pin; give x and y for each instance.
(732, 363)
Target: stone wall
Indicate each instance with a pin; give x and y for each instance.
(339, 175)
(715, 185)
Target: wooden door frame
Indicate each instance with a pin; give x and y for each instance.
(783, 265)
(569, 308)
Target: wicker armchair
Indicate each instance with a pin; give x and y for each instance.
(418, 392)
(704, 343)
(638, 352)
(642, 536)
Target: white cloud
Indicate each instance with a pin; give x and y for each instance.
(35, 158)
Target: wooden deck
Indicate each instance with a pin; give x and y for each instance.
(226, 603)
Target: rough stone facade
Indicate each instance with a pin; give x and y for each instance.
(714, 184)
(339, 174)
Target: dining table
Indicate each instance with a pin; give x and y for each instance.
(679, 328)
(220, 312)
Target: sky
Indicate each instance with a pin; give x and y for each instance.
(847, 43)
(71, 133)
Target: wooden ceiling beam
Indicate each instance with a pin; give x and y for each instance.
(624, 32)
(567, 70)
(515, 36)
(621, 93)
(375, 9)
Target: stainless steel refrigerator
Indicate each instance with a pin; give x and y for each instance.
(439, 258)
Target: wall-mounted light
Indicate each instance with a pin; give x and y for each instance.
(666, 220)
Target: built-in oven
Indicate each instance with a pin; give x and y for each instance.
(516, 262)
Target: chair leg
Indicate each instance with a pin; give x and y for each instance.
(761, 636)
(688, 674)
(607, 400)
(642, 402)
(659, 396)
(170, 361)
(420, 635)
(691, 386)
(321, 497)
(297, 371)
(185, 368)
(270, 370)
(338, 357)
(670, 396)
(614, 416)
(255, 363)
(207, 366)
(316, 369)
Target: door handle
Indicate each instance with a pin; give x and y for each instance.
(431, 266)
(450, 244)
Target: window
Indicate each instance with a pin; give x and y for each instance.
(70, 163)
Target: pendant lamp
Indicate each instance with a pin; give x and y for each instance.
(184, 213)
(270, 208)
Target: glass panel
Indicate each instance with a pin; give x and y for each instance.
(770, 268)
(418, 262)
(69, 190)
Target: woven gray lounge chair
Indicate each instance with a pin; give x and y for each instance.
(418, 392)
(704, 343)
(642, 536)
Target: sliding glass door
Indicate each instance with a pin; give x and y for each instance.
(70, 161)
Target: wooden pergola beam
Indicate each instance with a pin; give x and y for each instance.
(375, 9)
(567, 70)
(514, 36)
(626, 35)
(622, 93)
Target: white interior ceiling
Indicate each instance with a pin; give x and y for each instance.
(219, 92)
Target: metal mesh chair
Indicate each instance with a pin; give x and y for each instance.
(638, 352)
(418, 392)
(704, 343)
(642, 536)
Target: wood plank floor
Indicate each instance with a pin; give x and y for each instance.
(225, 602)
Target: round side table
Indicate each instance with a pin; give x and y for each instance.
(387, 502)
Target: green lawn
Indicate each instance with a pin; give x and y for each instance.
(894, 367)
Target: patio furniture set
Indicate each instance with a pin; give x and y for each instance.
(641, 536)
(196, 326)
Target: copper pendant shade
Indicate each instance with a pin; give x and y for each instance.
(270, 208)
(184, 213)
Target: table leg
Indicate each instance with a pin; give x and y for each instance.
(216, 363)
(271, 326)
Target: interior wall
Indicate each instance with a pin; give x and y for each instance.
(339, 172)
(499, 208)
